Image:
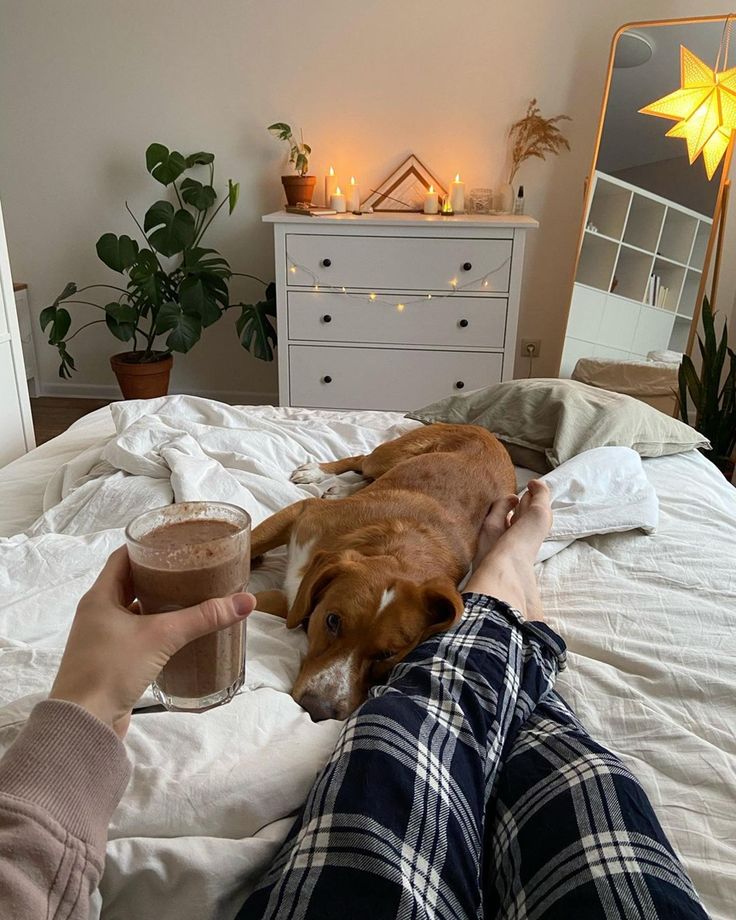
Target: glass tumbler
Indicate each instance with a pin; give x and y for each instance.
(181, 555)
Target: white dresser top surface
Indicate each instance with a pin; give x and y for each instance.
(410, 219)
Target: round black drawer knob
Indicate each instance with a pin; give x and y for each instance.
(467, 266)
(326, 263)
(327, 318)
(327, 379)
(459, 384)
(463, 323)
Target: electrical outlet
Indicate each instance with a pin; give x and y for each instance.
(530, 348)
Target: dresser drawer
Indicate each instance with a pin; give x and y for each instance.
(403, 263)
(455, 321)
(331, 377)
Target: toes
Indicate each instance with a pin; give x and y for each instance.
(308, 472)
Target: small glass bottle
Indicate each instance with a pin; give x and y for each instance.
(519, 202)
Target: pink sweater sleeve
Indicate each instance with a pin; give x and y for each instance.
(59, 785)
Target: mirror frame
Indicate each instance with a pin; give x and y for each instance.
(721, 196)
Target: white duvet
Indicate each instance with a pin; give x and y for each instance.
(649, 619)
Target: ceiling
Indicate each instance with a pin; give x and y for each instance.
(630, 139)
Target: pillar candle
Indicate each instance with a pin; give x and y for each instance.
(431, 201)
(337, 201)
(330, 186)
(457, 195)
(353, 196)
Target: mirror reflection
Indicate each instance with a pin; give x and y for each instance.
(649, 213)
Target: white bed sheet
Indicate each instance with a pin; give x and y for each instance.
(650, 622)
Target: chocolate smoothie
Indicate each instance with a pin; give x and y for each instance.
(178, 564)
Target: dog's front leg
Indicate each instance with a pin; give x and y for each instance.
(276, 530)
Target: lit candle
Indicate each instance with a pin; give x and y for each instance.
(330, 186)
(457, 195)
(431, 201)
(337, 201)
(353, 196)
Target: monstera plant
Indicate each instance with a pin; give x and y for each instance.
(172, 286)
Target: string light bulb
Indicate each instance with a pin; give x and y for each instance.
(371, 296)
(292, 269)
(453, 282)
(429, 296)
(400, 307)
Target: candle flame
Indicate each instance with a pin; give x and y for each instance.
(352, 180)
(332, 170)
(457, 177)
(337, 191)
(431, 190)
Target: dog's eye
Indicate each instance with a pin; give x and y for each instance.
(332, 622)
(383, 656)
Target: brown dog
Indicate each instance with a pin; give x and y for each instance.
(374, 574)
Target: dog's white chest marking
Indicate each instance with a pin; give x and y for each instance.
(299, 556)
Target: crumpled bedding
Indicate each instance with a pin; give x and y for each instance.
(650, 622)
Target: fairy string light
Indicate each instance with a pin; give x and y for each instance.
(456, 288)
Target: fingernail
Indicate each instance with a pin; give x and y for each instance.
(243, 604)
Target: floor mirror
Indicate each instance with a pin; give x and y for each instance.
(651, 216)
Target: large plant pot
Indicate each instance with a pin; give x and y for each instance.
(142, 379)
(299, 189)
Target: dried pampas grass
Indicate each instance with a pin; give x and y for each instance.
(534, 136)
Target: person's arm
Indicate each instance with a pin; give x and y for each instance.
(59, 785)
(63, 777)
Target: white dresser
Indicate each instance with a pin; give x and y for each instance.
(16, 422)
(392, 311)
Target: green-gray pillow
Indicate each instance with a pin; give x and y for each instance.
(562, 418)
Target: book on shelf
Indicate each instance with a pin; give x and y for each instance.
(311, 211)
(662, 296)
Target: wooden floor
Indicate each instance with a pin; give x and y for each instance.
(54, 414)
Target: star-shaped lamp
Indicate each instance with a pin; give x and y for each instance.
(704, 109)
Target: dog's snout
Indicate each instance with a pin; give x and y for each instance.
(319, 709)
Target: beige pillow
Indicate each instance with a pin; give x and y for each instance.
(562, 418)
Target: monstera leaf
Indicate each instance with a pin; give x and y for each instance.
(121, 320)
(256, 331)
(117, 252)
(164, 165)
(172, 230)
(185, 328)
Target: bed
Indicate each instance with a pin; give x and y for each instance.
(650, 622)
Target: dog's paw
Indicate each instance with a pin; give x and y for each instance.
(342, 489)
(308, 472)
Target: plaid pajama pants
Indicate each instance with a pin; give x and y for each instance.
(466, 788)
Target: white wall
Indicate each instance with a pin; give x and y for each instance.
(86, 85)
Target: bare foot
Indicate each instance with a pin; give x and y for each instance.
(507, 569)
(496, 523)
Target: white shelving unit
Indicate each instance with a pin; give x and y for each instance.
(629, 235)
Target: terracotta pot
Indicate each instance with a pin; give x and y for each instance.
(142, 379)
(299, 189)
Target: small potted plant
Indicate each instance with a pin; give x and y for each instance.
(531, 136)
(172, 285)
(299, 188)
(713, 393)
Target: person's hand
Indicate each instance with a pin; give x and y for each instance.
(113, 653)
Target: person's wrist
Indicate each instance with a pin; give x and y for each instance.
(93, 701)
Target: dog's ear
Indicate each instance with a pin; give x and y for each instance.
(443, 606)
(323, 568)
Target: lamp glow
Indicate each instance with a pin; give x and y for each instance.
(704, 108)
